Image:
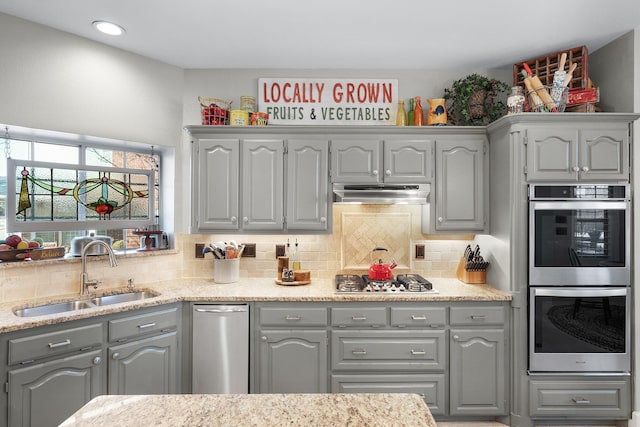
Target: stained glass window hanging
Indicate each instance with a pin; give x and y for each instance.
(76, 197)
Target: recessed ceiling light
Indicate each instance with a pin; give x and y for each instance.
(108, 28)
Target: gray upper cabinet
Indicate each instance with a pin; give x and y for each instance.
(262, 184)
(307, 183)
(258, 183)
(374, 161)
(569, 153)
(460, 189)
(216, 181)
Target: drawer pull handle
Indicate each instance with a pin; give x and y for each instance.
(418, 352)
(478, 317)
(358, 317)
(581, 401)
(359, 352)
(147, 325)
(289, 317)
(60, 344)
(414, 317)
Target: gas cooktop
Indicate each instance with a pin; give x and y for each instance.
(353, 283)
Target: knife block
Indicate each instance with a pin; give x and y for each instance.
(470, 277)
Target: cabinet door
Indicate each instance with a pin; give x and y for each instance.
(262, 184)
(552, 154)
(48, 393)
(477, 372)
(216, 178)
(604, 155)
(293, 362)
(460, 187)
(408, 161)
(356, 161)
(307, 185)
(148, 366)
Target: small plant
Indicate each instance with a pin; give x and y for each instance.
(472, 100)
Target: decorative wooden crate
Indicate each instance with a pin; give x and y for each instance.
(545, 66)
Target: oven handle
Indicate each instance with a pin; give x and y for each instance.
(579, 292)
(577, 204)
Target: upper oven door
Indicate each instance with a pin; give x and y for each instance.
(579, 243)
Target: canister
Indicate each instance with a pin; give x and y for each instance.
(248, 103)
(239, 118)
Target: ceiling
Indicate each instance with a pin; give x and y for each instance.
(339, 34)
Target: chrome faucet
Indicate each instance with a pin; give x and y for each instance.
(85, 277)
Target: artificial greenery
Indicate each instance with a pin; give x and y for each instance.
(472, 100)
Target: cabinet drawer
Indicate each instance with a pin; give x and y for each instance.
(580, 399)
(355, 316)
(418, 316)
(293, 316)
(53, 343)
(431, 386)
(388, 350)
(480, 315)
(143, 324)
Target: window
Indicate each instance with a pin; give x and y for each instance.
(59, 189)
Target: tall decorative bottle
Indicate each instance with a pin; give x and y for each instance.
(418, 114)
(401, 115)
(410, 112)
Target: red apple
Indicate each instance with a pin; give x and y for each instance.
(33, 244)
(5, 247)
(13, 240)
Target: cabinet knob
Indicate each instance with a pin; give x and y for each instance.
(576, 169)
(234, 220)
(323, 219)
(263, 338)
(97, 360)
(115, 356)
(456, 338)
(245, 220)
(585, 169)
(387, 172)
(440, 219)
(375, 172)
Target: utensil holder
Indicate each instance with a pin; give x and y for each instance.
(226, 270)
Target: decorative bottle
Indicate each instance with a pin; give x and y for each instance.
(401, 115)
(515, 100)
(410, 113)
(295, 257)
(418, 114)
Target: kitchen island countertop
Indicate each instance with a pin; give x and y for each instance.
(245, 290)
(259, 410)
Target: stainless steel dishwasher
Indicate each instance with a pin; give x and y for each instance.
(220, 349)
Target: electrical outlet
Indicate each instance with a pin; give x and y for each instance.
(419, 251)
(199, 248)
(280, 251)
(249, 250)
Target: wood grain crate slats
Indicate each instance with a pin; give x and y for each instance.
(545, 66)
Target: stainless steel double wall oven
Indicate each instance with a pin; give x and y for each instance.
(579, 278)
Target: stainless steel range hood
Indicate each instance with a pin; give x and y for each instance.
(409, 194)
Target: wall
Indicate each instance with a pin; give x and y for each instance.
(612, 70)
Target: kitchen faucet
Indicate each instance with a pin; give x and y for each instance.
(85, 277)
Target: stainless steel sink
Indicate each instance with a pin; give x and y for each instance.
(126, 297)
(61, 307)
(79, 304)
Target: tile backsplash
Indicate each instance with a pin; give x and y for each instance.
(357, 230)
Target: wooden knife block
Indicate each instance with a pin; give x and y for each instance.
(470, 277)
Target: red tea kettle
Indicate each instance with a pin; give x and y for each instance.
(380, 270)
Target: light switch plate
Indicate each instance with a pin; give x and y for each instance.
(419, 251)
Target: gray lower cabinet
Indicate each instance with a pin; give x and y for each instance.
(478, 365)
(47, 393)
(52, 371)
(292, 348)
(146, 366)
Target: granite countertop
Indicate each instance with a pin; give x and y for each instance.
(259, 410)
(245, 290)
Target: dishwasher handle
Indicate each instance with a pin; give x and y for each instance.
(222, 309)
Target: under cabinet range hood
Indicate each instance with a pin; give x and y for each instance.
(408, 194)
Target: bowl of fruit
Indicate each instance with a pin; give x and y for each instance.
(15, 248)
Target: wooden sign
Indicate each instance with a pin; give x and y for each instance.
(46, 253)
(328, 101)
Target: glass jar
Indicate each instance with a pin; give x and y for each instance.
(515, 100)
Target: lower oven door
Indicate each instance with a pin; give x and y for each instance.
(579, 329)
